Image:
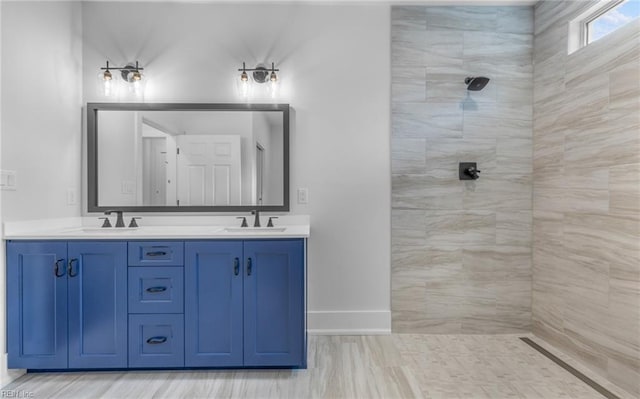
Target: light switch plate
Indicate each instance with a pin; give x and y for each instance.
(303, 196)
(8, 179)
(72, 196)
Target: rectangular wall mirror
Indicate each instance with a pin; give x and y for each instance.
(187, 157)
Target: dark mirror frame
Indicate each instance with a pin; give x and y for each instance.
(92, 154)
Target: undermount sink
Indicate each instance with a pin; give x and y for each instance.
(254, 229)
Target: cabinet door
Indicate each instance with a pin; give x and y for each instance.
(36, 305)
(97, 276)
(213, 304)
(274, 332)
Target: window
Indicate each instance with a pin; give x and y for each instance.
(598, 21)
(610, 19)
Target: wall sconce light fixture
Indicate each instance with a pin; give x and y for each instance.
(260, 74)
(130, 73)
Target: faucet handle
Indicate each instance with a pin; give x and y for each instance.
(244, 221)
(106, 222)
(270, 222)
(256, 222)
(133, 222)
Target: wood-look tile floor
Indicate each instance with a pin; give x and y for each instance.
(392, 366)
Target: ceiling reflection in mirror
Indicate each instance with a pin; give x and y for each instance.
(190, 159)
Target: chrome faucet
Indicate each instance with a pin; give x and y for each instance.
(256, 222)
(119, 220)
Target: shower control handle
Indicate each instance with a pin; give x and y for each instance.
(473, 172)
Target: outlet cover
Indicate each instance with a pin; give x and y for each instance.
(303, 196)
(72, 196)
(8, 180)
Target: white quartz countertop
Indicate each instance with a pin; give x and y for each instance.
(87, 230)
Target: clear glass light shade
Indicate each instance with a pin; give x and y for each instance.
(244, 85)
(136, 83)
(106, 83)
(274, 88)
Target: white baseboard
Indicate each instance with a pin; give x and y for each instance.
(366, 322)
(7, 376)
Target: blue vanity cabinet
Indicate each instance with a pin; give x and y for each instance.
(67, 304)
(213, 304)
(37, 304)
(97, 279)
(244, 303)
(89, 304)
(156, 304)
(274, 323)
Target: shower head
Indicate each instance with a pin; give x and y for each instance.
(476, 83)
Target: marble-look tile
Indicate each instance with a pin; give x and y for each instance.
(515, 19)
(408, 219)
(624, 87)
(504, 192)
(408, 156)
(444, 155)
(408, 84)
(422, 48)
(610, 238)
(497, 263)
(408, 18)
(556, 13)
(432, 290)
(445, 228)
(425, 192)
(624, 298)
(514, 228)
(486, 67)
(462, 18)
(586, 200)
(550, 199)
(518, 111)
(408, 228)
(586, 178)
(408, 48)
(449, 90)
(548, 77)
(602, 144)
(443, 49)
(624, 188)
(587, 281)
(514, 90)
(498, 48)
(603, 56)
(546, 115)
(488, 127)
(514, 156)
(421, 120)
(478, 228)
(585, 91)
(548, 151)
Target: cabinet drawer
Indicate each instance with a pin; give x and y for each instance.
(156, 290)
(156, 253)
(156, 340)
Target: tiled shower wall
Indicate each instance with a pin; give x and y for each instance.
(586, 164)
(461, 251)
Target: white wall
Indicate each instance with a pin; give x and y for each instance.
(40, 125)
(335, 73)
(42, 61)
(118, 158)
